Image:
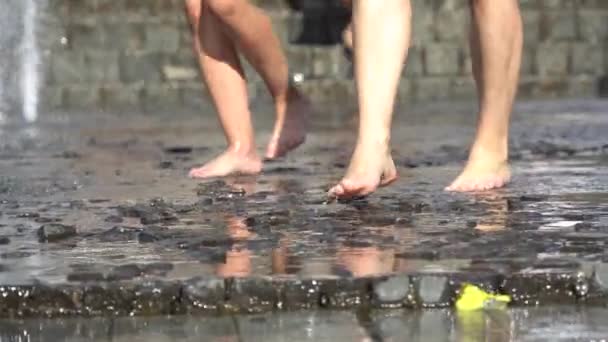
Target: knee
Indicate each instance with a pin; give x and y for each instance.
(223, 8)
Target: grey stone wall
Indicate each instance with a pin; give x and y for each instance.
(137, 53)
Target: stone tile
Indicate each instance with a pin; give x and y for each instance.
(311, 326)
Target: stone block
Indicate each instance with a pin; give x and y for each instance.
(430, 89)
(552, 59)
(432, 290)
(203, 295)
(101, 66)
(442, 59)
(558, 25)
(328, 62)
(345, 293)
(405, 92)
(118, 95)
(250, 295)
(542, 288)
(593, 25)
(152, 298)
(82, 96)
(414, 65)
(123, 36)
(587, 59)
(329, 90)
(167, 329)
(556, 4)
(68, 68)
(52, 97)
(173, 73)
(107, 300)
(165, 38)
(392, 291)
(161, 97)
(302, 326)
(84, 36)
(195, 95)
(299, 59)
(463, 88)
(299, 294)
(423, 23)
(583, 86)
(452, 24)
(531, 22)
(141, 66)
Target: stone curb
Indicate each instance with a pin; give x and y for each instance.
(216, 296)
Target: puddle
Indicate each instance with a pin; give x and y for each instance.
(118, 189)
(529, 324)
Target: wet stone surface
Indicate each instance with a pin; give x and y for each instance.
(552, 323)
(98, 218)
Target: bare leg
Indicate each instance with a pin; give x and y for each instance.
(252, 32)
(347, 34)
(496, 43)
(381, 39)
(225, 80)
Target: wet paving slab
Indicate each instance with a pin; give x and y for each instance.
(551, 323)
(97, 218)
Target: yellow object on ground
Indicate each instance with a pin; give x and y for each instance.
(474, 298)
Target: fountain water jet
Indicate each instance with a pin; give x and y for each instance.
(30, 62)
(20, 58)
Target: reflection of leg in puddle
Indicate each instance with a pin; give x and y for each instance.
(496, 44)
(219, 29)
(238, 259)
(366, 261)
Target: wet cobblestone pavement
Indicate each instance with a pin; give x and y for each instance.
(98, 218)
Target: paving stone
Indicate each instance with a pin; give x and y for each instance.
(203, 295)
(312, 326)
(393, 291)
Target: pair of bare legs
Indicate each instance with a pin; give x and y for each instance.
(381, 37)
(381, 40)
(222, 28)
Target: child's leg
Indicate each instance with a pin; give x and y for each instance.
(252, 32)
(225, 79)
(382, 37)
(496, 42)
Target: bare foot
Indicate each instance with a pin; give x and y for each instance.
(482, 172)
(289, 132)
(229, 163)
(367, 171)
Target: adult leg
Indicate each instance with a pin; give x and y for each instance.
(381, 40)
(496, 43)
(226, 82)
(252, 32)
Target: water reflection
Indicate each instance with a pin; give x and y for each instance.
(496, 214)
(518, 324)
(238, 258)
(365, 241)
(349, 258)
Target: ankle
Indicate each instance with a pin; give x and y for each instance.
(378, 142)
(490, 152)
(241, 149)
(282, 99)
